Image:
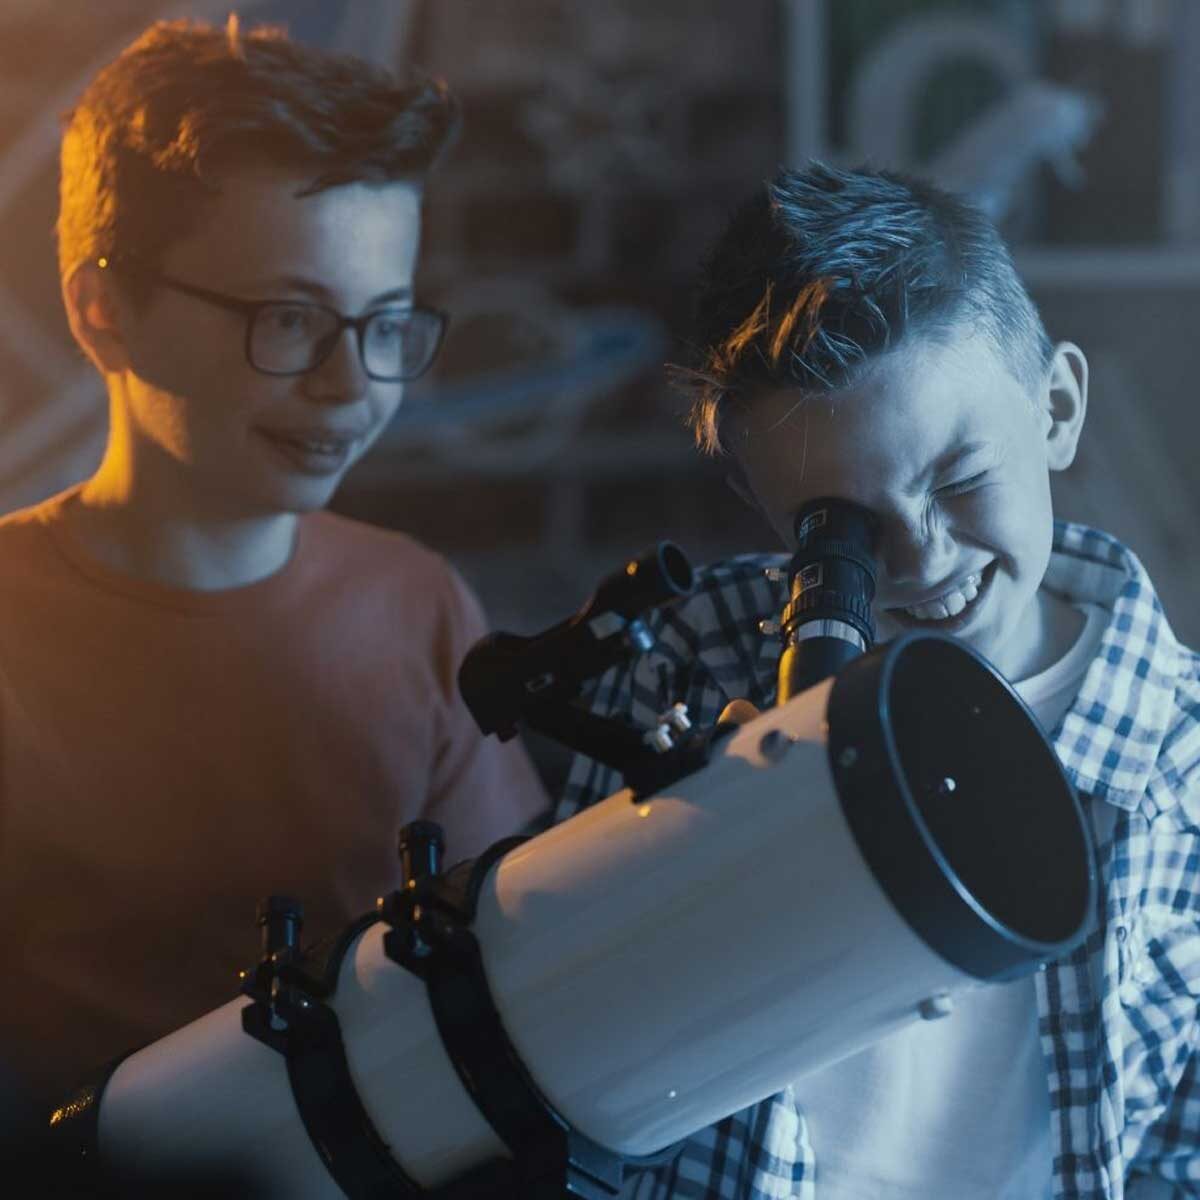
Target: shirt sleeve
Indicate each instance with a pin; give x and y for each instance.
(481, 789)
(1160, 998)
(1170, 1152)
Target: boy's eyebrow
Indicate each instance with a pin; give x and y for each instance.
(318, 291)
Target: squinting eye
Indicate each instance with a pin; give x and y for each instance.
(963, 485)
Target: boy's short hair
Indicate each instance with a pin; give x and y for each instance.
(824, 269)
(144, 147)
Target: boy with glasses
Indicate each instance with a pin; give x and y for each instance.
(211, 690)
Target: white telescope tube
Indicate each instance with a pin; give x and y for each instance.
(661, 963)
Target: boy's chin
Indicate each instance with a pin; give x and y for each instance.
(292, 502)
(302, 495)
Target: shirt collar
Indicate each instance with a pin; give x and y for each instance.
(1109, 741)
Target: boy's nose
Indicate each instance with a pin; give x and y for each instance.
(341, 378)
(913, 554)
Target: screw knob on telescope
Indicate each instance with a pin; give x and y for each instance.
(280, 918)
(421, 846)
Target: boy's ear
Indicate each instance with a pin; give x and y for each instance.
(1064, 404)
(94, 315)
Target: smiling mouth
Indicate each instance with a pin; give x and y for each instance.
(955, 605)
(312, 445)
(319, 455)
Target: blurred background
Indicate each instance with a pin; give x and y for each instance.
(605, 141)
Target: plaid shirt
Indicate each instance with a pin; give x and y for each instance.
(1119, 1018)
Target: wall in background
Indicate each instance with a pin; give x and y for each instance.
(604, 146)
(605, 141)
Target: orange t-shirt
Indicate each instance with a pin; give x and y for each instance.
(168, 757)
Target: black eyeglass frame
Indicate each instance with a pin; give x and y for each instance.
(251, 308)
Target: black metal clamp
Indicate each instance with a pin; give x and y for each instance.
(429, 917)
(431, 936)
(290, 1015)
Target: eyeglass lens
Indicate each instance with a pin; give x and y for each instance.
(395, 343)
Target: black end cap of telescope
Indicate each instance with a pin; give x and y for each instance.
(960, 806)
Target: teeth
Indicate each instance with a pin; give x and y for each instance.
(955, 604)
(315, 447)
(948, 605)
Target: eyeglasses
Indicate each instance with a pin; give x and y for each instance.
(292, 337)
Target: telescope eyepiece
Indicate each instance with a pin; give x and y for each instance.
(828, 618)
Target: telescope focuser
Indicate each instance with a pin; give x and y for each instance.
(506, 677)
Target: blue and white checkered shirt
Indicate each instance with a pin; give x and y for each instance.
(1120, 1017)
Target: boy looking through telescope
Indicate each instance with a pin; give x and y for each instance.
(863, 335)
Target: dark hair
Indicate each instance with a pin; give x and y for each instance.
(823, 269)
(143, 148)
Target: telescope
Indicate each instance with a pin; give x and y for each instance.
(759, 901)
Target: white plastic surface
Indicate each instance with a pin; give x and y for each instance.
(662, 965)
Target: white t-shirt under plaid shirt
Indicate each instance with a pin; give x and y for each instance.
(1119, 1018)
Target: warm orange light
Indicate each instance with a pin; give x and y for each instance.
(644, 810)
